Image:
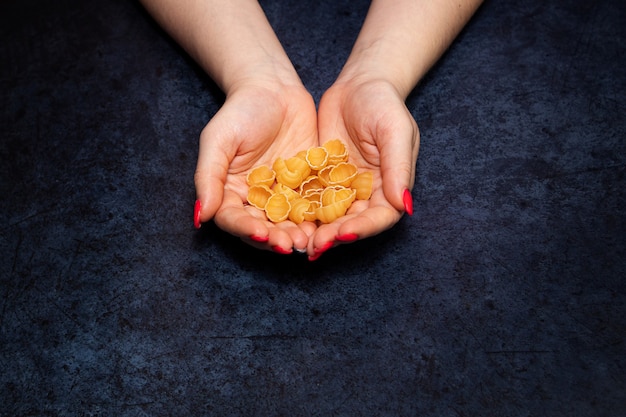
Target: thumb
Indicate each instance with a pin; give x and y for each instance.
(210, 177)
(398, 155)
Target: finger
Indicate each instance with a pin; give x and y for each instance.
(323, 239)
(298, 238)
(308, 228)
(359, 223)
(398, 154)
(280, 240)
(237, 220)
(211, 172)
(367, 223)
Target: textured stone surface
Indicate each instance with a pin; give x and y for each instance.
(503, 295)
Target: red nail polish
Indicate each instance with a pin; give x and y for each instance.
(280, 250)
(196, 214)
(407, 198)
(347, 237)
(315, 257)
(260, 239)
(324, 248)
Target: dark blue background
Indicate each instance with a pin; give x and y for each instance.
(503, 295)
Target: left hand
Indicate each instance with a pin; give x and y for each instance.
(382, 137)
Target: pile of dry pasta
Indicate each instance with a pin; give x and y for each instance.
(318, 184)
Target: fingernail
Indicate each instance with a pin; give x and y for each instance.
(196, 214)
(407, 198)
(315, 257)
(324, 248)
(320, 251)
(280, 250)
(347, 237)
(261, 239)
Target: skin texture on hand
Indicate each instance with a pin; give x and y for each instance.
(268, 113)
(397, 45)
(382, 137)
(255, 126)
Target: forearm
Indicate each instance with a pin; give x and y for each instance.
(401, 39)
(231, 39)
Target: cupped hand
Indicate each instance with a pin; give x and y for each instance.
(256, 124)
(382, 137)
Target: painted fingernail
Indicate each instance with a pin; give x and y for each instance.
(347, 237)
(315, 257)
(324, 248)
(196, 214)
(280, 250)
(260, 239)
(320, 251)
(407, 198)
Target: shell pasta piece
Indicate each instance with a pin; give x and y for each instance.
(277, 208)
(362, 184)
(332, 195)
(310, 215)
(324, 175)
(311, 184)
(258, 196)
(290, 193)
(337, 151)
(291, 172)
(327, 214)
(313, 195)
(261, 175)
(335, 203)
(299, 206)
(317, 158)
(315, 185)
(342, 174)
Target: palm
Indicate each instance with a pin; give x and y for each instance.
(269, 129)
(370, 118)
(255, 127)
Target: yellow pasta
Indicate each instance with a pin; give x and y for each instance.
(337, 151)
(290, 193)
(324, 175)
(363, 183)
(328, 196)
(317, 158)
(258, 195)
(311, 184)
(298, 207)
(315, 185)
(313, 195)
(261, 175)
(277, 208)
(331, 212)
(291, 172)
(309, 215)
(332, 195)
(342, 174)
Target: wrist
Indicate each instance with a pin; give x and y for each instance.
(265, 72)
(378, 63)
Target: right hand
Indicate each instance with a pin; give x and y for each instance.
(258, 123)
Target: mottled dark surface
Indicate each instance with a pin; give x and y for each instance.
(503, 295)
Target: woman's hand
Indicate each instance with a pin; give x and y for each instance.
(382, 137)
(258, 123)
(268, 113)
(399, 41)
